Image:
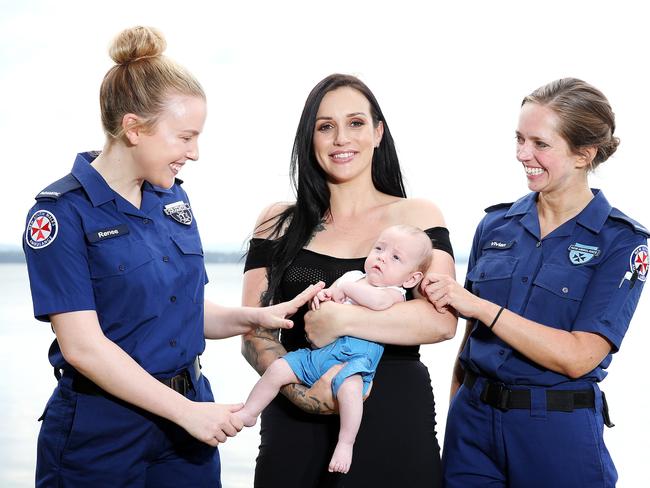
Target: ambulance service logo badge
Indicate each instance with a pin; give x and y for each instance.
(42, 229)
(581, 253)
(639, 262)
(180, 212)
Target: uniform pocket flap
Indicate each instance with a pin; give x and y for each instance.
(116, 260)
(493, 268)
(188, 244)
(563, 281)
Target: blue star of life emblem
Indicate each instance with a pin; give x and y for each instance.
(581, 253)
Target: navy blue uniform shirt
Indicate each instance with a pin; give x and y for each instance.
(586, 275)
(141, 270)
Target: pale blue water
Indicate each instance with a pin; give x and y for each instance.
(26, 382)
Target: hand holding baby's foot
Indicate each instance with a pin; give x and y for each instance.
(341, 459)
(247, 418)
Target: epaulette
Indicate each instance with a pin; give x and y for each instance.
(498, 206)
(616, 214)
(58, 188)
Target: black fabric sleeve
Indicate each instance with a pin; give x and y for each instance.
(260, 252)
(440, 239)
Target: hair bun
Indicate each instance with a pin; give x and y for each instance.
(604, 151)
(137, 43)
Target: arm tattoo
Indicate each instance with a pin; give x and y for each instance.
(259, 346)
(298, 395)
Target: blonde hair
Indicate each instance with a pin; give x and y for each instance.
(141, 80)
(425, 244)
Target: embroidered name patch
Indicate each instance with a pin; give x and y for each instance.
(42, 229)
(100, 235)
(499, 245)
(639, 262)
(179, 211)
(581, 253)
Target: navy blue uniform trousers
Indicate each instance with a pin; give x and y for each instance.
(100, 441)
(531, 448)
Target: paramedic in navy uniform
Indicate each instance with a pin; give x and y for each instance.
(553, 280)
(116, 264)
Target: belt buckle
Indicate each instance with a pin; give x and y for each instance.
(497, 395)
(503, 398)
(179, 384)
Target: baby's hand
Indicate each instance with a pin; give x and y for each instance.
(337, 295)
(322, 296)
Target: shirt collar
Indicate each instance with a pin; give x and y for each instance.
(158, 189)
(523, 205)
(94, 185)
(595, 214)
(592, 217)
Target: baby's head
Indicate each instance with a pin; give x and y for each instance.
(400, 257)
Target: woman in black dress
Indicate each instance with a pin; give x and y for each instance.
(349, 187)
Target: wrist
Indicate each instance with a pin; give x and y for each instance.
(252, 316)
(348, 323)
(179, 409)
(488, 312)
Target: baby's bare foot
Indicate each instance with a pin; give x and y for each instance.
(341, 459)
(248, 419)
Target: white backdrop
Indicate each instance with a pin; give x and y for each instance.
(449, 76)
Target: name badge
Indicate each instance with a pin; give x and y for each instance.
(494, 244)
(108, 233)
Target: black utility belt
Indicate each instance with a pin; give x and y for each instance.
(181, 383)
(498, 395)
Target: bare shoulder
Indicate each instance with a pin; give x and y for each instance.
(268, 219)
(419, 212)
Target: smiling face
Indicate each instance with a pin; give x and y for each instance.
(395, 258)
(344, 135)
(548, 162)
(162, 151)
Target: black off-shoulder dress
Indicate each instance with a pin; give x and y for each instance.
(396, 445)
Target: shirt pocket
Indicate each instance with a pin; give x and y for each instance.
(117, 260)
(557, 294)
(192, 264)
(491, 278)
(122, 276)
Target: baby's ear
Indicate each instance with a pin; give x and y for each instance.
(413, 280)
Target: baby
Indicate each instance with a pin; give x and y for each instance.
(398, 260)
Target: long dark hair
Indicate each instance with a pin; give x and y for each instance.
(310, 185)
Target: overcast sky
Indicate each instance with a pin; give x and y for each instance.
(449, 77)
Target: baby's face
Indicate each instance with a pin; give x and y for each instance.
(394, 258)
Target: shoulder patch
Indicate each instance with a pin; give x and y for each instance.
(616, 214)
(42, 228)
(58, 188)
(639, 264)
(498, 206)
